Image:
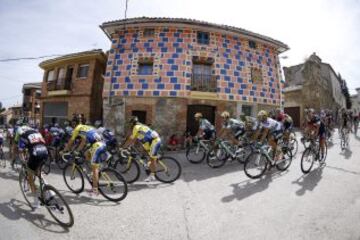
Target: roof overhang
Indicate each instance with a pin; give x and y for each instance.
(93, 54)
(111, 27)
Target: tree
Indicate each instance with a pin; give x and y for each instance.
(345, 91)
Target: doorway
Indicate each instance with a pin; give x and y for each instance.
(208, 112)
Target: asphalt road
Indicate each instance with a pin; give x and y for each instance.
(206, 204)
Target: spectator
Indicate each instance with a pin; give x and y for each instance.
(173, 143)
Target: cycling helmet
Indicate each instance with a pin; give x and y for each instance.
(198, 115)
(225, 114)
(134, 120)
(262, 115)
(97, 123)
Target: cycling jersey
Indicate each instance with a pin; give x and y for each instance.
(288, 122)
(148, 137)
(86, 132)
(144, 134)
(271, 124)
(316, 121)
(32, 140)
(236, 126)
(204, 124)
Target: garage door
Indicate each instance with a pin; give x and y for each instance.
(294, 112)
(57, 110)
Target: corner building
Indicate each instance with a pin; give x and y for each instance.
(164, 70)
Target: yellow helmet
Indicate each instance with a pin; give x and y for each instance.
(225, 114)
(262, 115)
(198, 115)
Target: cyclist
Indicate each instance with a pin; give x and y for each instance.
(316, 128)
(32, 143)
(345, 122)
(150, 140)
(1, 138)
(232, 128)
(92, 145)
(355, 122)
(206, 129)
(57, 134)
(287, 123)
(271, 129)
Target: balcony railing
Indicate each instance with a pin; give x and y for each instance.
(203, 83)
(53, 86)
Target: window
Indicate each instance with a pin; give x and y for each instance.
(203, 38)
(252, 44)
(61, 77)
(141, 115)
(202, 79)
(149, 32)
(83, 70)
(256, 75)
(27, 92)
(246, 110)
(50, 76)
(145, 68)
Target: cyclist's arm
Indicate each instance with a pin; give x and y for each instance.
(72, 139)
(264, 135)
(131, 140)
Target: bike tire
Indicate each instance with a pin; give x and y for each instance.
(308, 153)
(22, 182)
(213, 160)
(69, 175)
(57, 197)
(195, 157)
(294, 145)
(130, 173)
(45, 167)
(104, 175)
(251, 160)
(244, 154)
(163, 165)
(288, 155)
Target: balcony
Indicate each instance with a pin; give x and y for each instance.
(203, 83)
(59, 87)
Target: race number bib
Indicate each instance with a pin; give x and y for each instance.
(35, 138)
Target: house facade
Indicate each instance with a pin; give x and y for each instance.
(31, 101)
(72, 84)
(164, 70)
(313, 84)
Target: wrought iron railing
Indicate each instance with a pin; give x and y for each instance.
(203, 83)
(53, 86)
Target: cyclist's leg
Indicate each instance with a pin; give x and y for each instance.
(154, 150)
(95, 151)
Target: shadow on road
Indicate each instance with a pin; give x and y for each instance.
(15, 210)
(9, 175)
(82, 198)
(346, 153)
(309, 181)
(250, 187)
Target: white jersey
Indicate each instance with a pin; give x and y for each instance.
(271, 124)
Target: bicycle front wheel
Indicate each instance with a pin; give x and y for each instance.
(57, 206)
(73, 178)
(195, 154)
(130, 170)
(168, 170)
(307, 160)
(112, 185)
(217, 157)
(255, 165)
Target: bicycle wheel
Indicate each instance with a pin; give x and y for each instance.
(168, 170)
(25, 187)
(60, 162)
(307, 160)
(57, 206)
(112, 185)
(217, 157)
(45, 167)
(286, 161)
(255, 165)
(73, 178)
(2, 158)
(130, 170)
(243, 154)
(294, 146)
(195, 154)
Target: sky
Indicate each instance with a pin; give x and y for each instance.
(33, 28)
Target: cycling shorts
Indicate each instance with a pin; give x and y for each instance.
(153, 147)
(98, 152)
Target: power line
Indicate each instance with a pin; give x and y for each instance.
(29, 58)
